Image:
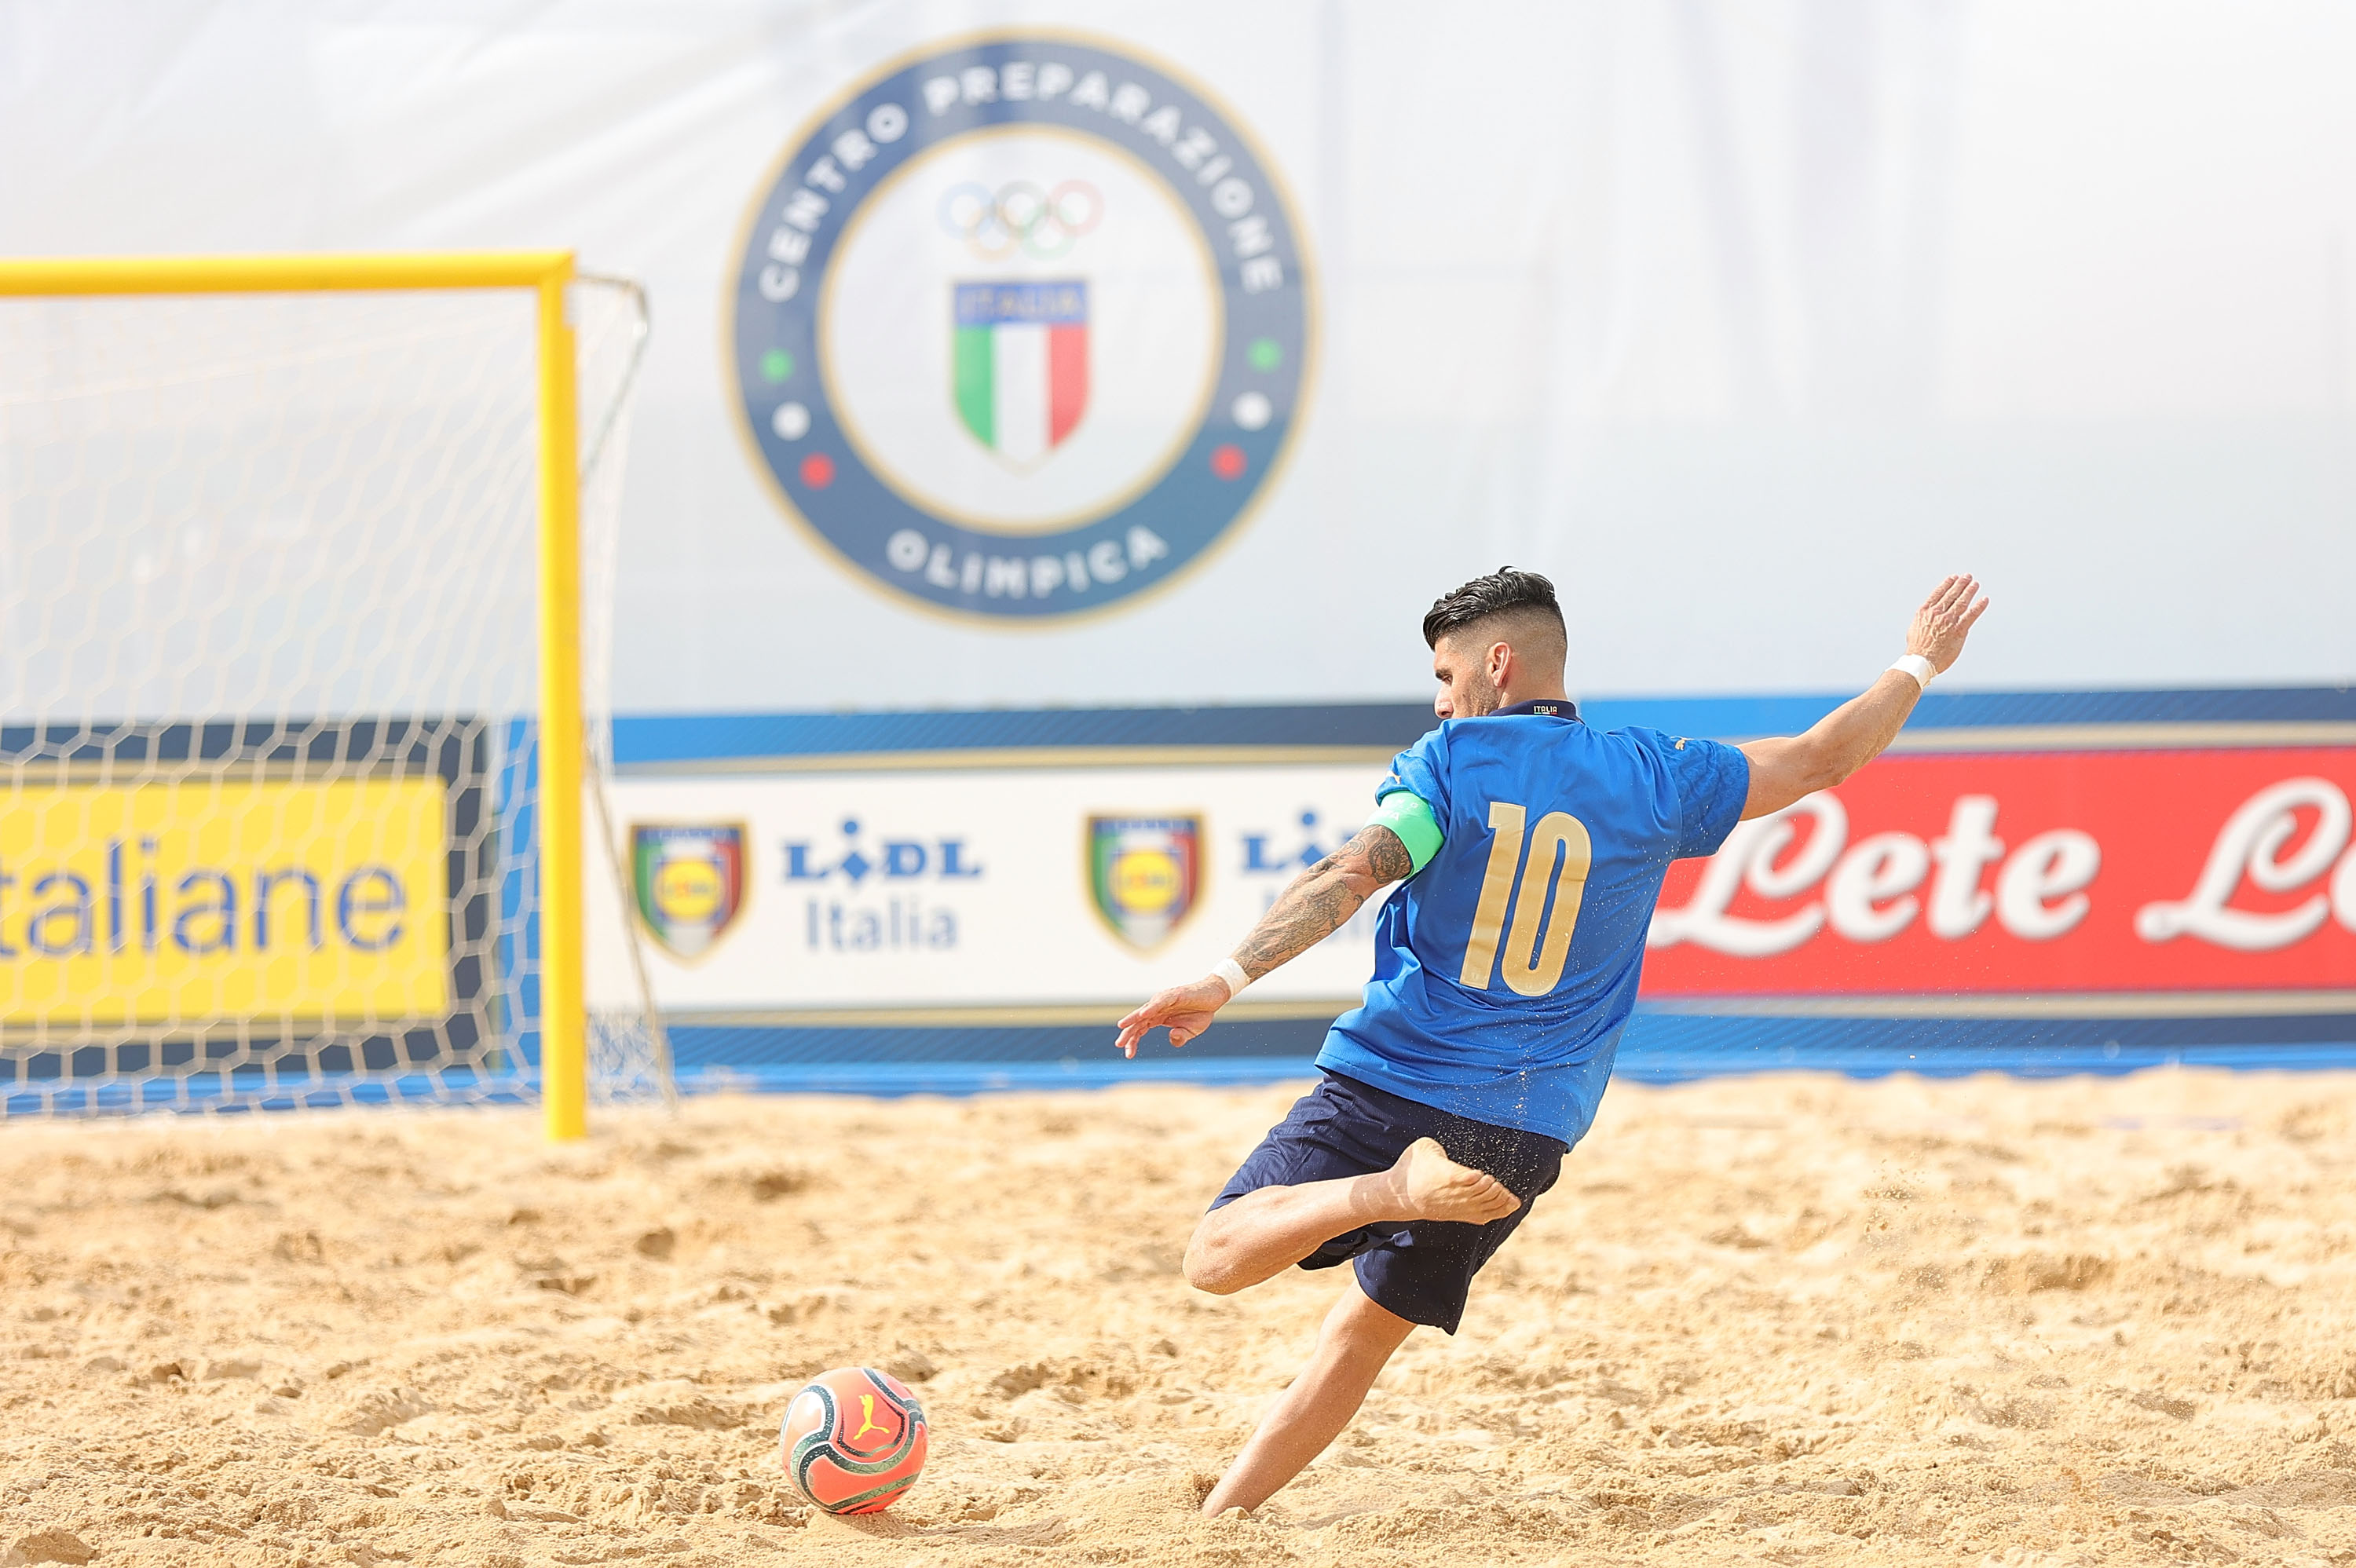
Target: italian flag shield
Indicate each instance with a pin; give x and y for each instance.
(1021, 371)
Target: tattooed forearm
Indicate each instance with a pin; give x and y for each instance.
(1320, 901)
(1313, 908)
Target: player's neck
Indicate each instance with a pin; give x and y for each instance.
(1546, 691)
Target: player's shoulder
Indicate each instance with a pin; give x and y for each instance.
(1635, 748)
(1695, 768)
(1643, 738)
(1675, 754)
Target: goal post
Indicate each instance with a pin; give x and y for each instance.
(370, 644)
(564, 1031)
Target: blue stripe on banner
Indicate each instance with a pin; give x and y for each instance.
(672, 738)
(1659, 1048)
(654, 740)
(982, 1077)
(779, 1045)
(1638, 1064)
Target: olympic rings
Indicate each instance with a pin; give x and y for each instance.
(1043, 224)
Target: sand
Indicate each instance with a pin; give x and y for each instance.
(1778, 1319)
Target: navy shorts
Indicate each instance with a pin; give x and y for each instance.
(1422, 1270)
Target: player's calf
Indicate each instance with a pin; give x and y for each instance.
(1356, 1341)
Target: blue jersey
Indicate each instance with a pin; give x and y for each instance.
(1506, 968)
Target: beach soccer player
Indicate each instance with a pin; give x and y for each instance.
(1533, 850)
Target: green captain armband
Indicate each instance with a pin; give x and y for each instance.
(1404, 813)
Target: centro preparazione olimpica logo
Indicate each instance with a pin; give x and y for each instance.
(1020, 327)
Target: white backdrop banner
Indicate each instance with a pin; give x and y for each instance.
(1105, 352)
(773, 896)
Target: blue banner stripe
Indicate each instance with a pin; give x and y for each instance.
(655, 740)
(672, 738)
(1658, 1048)
(1637, 1065)
(2003, 1044)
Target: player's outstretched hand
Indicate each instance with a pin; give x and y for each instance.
(1185, 1010)
(1944, 621)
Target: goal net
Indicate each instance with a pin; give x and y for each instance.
(306, 583)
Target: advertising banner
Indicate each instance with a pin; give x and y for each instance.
(986, 889)
(2214, 880)
(185, 901)
(2034, 875)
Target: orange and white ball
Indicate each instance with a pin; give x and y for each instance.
(852, 1440)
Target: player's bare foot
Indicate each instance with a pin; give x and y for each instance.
(1433, 1186)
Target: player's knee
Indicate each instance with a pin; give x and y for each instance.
(1208, 1273)
(1213, 1280)
(1207, 1266)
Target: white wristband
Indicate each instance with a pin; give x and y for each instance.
(1921, 668)
(1233, 974)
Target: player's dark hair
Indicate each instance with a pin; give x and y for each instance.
(1503, 592)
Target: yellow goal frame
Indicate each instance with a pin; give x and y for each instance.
(563, 1016)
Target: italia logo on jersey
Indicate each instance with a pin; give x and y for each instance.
(689, 882)
(1019, 328)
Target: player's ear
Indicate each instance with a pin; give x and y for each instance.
(1501, 662)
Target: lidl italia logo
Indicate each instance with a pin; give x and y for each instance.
(1020, 327)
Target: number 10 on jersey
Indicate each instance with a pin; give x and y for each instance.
(1532, 967)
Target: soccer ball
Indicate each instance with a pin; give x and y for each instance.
(852, 1440)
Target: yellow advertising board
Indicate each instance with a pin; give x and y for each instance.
(179, 902)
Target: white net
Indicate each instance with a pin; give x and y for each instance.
(268, 696)
(630, 1055)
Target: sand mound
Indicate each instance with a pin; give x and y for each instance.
(1772, 1319)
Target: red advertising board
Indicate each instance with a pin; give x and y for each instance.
(2030, 874)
